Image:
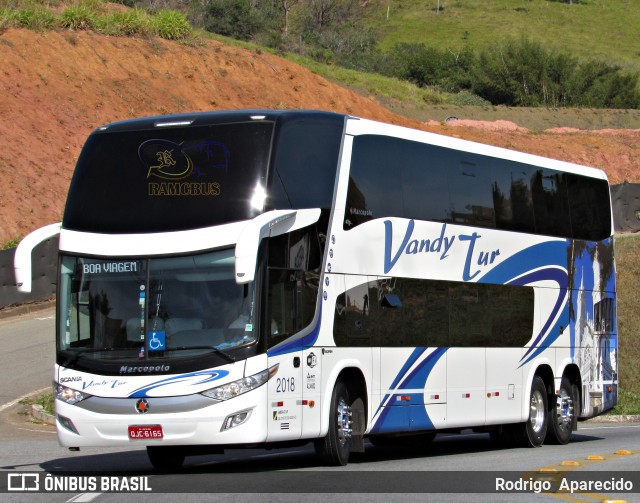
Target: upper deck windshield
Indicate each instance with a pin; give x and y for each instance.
(166, 179)
(152, 311)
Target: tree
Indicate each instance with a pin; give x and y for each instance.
(286, 7)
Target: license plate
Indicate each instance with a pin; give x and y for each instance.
(145, 432)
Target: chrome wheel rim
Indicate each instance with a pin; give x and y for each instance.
(564, 410)
(536, 412)
(344, 422)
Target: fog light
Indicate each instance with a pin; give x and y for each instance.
(67, 423)
(236, 419)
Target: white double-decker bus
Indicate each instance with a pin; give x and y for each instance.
(262, 278)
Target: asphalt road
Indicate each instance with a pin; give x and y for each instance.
(27, 356)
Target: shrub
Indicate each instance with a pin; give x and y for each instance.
(427, 66)
(33, 18)
(78, 17)
(125, 23)
(467, 98)
(525, 73)
(171, 25)
(233, 18)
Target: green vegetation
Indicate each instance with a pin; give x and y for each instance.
(12, 243)
(93, 15)
(591, 29)
(628, 404)
(466, 52)
(46, 400)
(628, 269)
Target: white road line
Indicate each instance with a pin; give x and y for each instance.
(38, 431)
(620, 425)
(83, 497)
(23, 397)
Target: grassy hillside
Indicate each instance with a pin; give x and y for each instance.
(628, 268)
(588, 29)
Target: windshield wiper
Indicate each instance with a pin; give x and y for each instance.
(82, 352)
(216, 350)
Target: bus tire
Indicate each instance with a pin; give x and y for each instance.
(334, 449)
(533, 432)
(562, 414)
(165, 458)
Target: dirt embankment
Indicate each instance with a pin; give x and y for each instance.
(56, 87)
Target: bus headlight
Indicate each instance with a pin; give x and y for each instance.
(236, 388)
(68, 395)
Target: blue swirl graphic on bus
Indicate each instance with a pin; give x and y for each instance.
(201, 377)
(541, 262)
(394, 418)
(541, 341)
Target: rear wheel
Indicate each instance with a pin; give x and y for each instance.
(563, 413)
(533, 432)
(165, 458)
(334, 449)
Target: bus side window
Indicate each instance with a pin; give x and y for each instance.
(356, 318)
(293, 280)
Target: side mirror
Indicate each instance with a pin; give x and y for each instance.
(272, 223)
(22, 258)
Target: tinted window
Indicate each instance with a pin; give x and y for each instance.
(167, 179)
(305, 161)
(354, 322)
(398, 312)
(589, 207)
(470, 191)
(551, 203)
(425, 188)
(512, 199)
(292, 281)
(375, 185)
(400, 178)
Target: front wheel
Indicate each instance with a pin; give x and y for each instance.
(334, 449)
(533, 432)
(563, 413)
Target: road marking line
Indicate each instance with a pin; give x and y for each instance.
(23, 397)
(38, 431)
(621, 425)
(83, 498)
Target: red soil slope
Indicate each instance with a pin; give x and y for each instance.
(56, 87)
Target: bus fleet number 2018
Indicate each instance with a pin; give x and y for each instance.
(285, 384)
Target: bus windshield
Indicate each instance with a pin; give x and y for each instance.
(170, 178)
(138, 310)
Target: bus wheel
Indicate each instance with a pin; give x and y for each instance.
(563, 414)
(165, 458)
(334, 449)
(532, 433)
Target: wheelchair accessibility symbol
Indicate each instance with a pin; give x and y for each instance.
(156, 341)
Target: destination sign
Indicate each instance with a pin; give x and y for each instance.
(110, 267)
